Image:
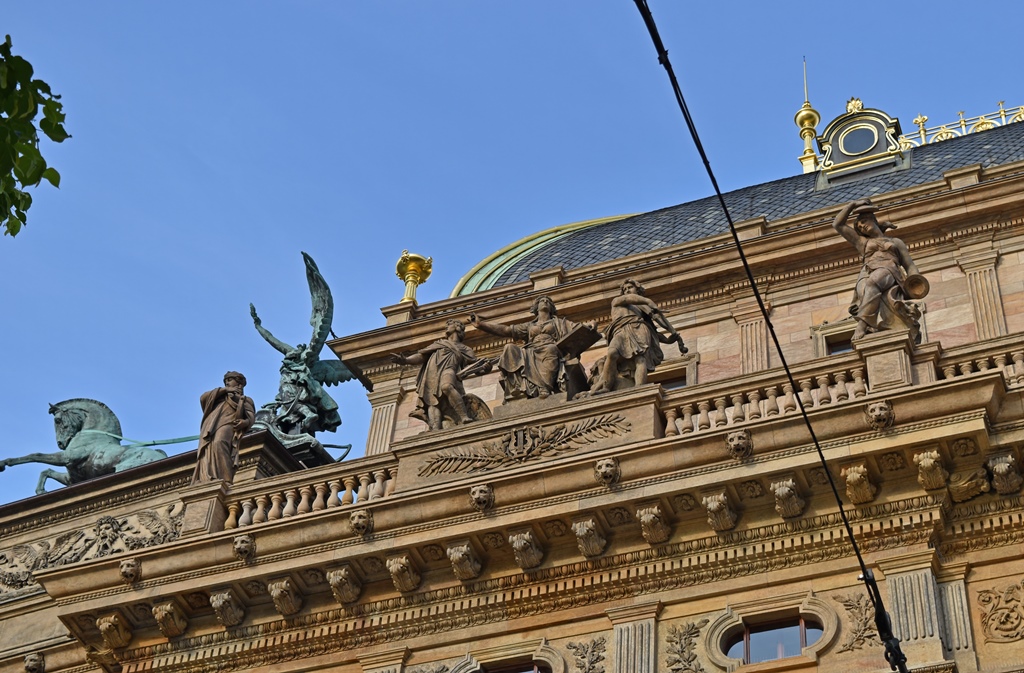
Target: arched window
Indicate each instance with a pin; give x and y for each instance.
(775, 640)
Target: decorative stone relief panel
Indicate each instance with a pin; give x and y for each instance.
(588, 655)
(525, 444)
(860, 631)
(1002, 613)
(108, 536)
(682, 646)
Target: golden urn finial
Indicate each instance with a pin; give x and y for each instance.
(807, 119)
(414, 270)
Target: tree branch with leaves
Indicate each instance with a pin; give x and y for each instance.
(22, 98)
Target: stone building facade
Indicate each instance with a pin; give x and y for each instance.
(660, 528)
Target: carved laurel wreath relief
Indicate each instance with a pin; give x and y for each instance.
(525, 444)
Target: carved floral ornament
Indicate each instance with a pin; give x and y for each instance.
(1002, 613)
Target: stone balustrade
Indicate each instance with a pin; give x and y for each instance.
(725, 403)
(1004, 355)
(354, 482)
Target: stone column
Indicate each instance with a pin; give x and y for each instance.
(635, 646)
(983, 285)
(753, 335)
(384, 401)
(957, 636)
(914, 606)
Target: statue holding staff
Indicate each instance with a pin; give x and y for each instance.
(227, 414)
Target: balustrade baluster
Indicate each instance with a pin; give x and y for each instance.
(737, 408)
(754, 408)
(307, 496)
(377, 488)
(948, 371)
(392, 481)
(771, 406)
(670, 422)
(364, 488)
(720, 417)
(966, 367)
(704, 419)
(788, 398)
(246, 518)
(349, 495)
(842, 394)
(859, 388)
(276, 509)
(262, 502)
(824, 394)
(982, 364)
(333, 500)
(321, 496)
(232, 520)
(290, 508)
(1018, 366)
(687, 419)
(806, 398)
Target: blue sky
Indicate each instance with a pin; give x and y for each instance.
(212, 141)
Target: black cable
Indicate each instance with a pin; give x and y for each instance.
(893, 654)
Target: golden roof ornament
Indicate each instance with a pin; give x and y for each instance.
(807, 119)
(414, 270)
(961, 127)
(854, 105)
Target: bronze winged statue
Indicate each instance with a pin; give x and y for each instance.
(302, 406)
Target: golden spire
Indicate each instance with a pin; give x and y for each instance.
(807, 119)
(414, 270)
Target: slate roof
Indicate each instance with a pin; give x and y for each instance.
(778, 199)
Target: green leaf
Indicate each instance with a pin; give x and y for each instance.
(53, 131)
(31, 166)
(52, 176)
(22, 69)
(13, 226)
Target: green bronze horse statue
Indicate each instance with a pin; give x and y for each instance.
(89, 438)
